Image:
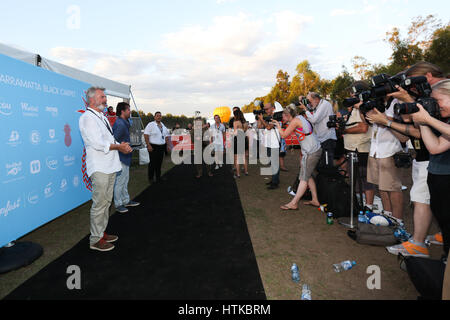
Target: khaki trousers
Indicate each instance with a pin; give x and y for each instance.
(102, 194)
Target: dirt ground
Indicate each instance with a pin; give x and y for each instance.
(303, 237)
(279, 240)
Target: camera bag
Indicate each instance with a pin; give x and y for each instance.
(369, 234)
(427, 275)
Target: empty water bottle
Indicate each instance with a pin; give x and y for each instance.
(306, 292)
(295, 273)
(402, 235)
(363, 218)
(344, 266)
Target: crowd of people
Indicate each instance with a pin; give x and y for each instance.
(377, 136)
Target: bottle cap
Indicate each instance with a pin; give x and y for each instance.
(354, 263)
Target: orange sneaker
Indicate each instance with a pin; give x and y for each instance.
(409, 249)
(436, 239)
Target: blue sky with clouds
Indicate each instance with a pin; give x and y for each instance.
(182, 56)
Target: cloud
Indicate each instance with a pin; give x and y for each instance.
(228, 62)
(342, 12)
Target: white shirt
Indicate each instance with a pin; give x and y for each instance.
(384, 143)
(272, 139)
(97, 141)
(217, 133)
(155, 135)
(319, 120)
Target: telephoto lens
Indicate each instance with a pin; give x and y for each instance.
(406, 108)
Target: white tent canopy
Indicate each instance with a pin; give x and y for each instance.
(113, 88)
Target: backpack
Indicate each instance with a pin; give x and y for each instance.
(333, 190)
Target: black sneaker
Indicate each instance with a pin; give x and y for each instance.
(273, 187)
(132, 204)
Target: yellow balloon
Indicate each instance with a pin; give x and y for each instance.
(224, 113)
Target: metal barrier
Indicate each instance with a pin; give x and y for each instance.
(137, 140)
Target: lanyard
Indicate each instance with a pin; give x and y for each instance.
(104, 122)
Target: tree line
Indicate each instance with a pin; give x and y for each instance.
(426, 39)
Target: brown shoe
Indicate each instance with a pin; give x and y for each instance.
(102, 246)
(109, 238)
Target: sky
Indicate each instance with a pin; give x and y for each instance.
(186, 56)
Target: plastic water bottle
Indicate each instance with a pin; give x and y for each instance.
(402, 234)
(363, 218)
(330, 220)
(344, 266)
(295, 273)
(306, 292)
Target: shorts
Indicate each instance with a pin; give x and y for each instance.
(309, 164)
(384, 174)
(420, 192)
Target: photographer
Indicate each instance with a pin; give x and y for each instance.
(439, 168)
(420, 195)
(357, 138)
(311, 151)
(319, 117)
(381, 169)
(272, 143)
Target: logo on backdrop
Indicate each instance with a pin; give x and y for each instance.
(13, 169)
(9, 206)
(29, 110)
(48, 191)
(35, 137)
(53, 111)
(52, 163)
(33, 197)
(67, 138)
(52, 136)
(76, 181)
(35, 167)
(5, 109)
(69, 161)
(13, 172)
(14, 139)
(63, 186)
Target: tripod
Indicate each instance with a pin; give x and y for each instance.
(345, 221)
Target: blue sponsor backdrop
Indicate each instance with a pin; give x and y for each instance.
(41, 147)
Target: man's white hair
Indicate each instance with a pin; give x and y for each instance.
(90, 93)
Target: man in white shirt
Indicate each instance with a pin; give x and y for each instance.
(381, 169)
(319, 119)
(102, 164)
(272, 142)
(157, 138)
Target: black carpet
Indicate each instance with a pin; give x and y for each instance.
(187, 241)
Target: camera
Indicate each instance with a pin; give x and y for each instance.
(277, 116)
(350, 102)
(423, 93)
(337, 123)
(429, 104)
(383, 84)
